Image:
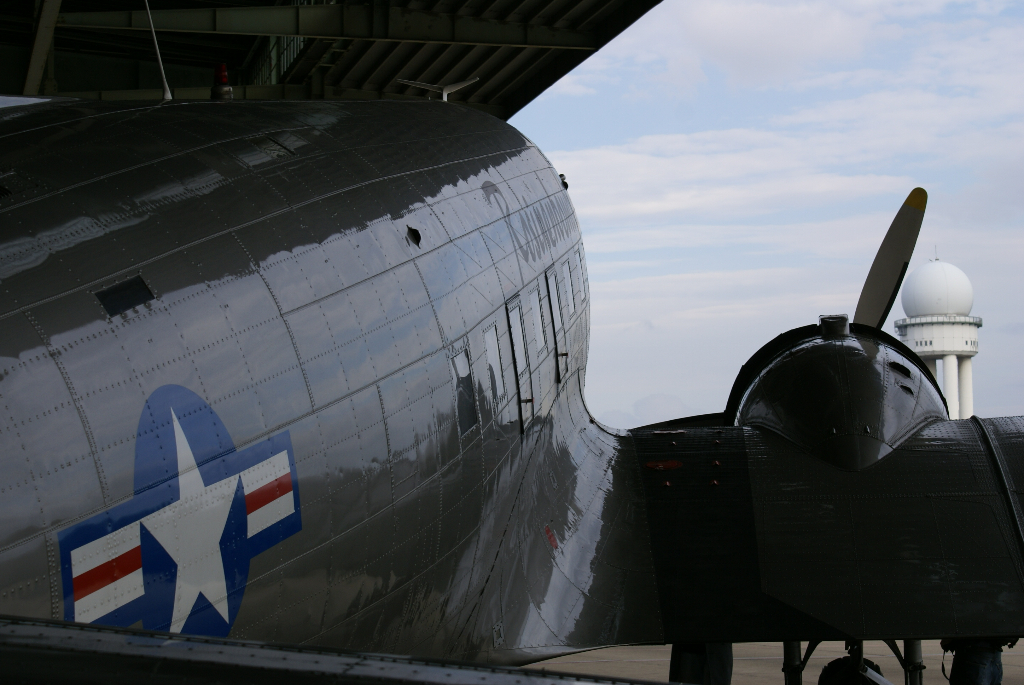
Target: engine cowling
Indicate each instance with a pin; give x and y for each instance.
(846, 393)
(835, 501)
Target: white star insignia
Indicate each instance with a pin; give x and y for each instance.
(190, 531)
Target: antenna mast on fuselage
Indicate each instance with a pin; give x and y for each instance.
(443, 90)
(156, 46)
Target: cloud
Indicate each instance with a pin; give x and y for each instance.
(647, 410)
(722, 174)
(760, 204)
(753, 43)
(728, 187)
(855, 235)
(757, 43)
(950, 119)
(679, 45)
(687, 334)
(573, 84)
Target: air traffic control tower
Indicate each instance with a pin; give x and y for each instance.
(937, 299)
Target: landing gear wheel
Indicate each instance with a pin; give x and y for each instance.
(843, 672)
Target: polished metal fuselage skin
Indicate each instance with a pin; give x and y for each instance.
(312, 372)
(279, 241)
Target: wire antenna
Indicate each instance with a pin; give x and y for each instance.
(156, 46)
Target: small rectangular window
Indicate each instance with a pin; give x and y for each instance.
(524, 383)
(567, 278)
(556, 308)
(515, 319)
(119, 298)
(464, 403)
(494, 364)
(579, 268)
(539, 334)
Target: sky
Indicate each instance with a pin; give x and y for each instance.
(735, 164)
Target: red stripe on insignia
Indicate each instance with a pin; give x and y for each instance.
(103, 575)
(264, 495)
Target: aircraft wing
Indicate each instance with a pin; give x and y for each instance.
(39, 651)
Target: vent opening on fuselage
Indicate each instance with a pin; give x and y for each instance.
(900, 369)
(414, 236)
(120, 297)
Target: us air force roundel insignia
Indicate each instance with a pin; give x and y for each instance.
(176, 555)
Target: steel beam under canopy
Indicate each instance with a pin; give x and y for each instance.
(358, 22)
(41, 46)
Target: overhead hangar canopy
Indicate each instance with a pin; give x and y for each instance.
(356, 49)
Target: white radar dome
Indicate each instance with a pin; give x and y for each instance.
(937, 288)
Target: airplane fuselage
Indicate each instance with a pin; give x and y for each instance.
(313, 373)
(363, 326)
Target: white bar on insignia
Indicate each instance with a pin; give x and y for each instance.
(113, 596)
(265, 472)
(102, 550)
(271, 513)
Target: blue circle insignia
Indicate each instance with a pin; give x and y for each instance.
(176, 555)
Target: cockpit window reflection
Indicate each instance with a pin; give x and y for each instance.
(524, 382)
(579, 268)
(567, 282)
(464, 392)
(515, 318)
(556, 307)
(494, 364)
(539, 334)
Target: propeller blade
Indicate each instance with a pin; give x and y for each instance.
(890, 265)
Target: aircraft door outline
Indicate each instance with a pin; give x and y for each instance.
(520, 362)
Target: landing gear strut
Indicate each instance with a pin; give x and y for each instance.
(911, 660)
(792, 663)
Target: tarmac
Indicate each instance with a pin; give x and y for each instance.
(760, 663)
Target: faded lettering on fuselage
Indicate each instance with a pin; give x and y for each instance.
(535, 230)
(298, 341)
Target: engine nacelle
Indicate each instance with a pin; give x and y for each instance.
(846, 393)
(835, 501)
